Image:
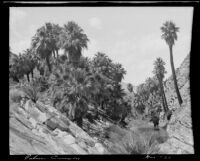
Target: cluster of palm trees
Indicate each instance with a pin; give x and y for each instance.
(45, 45)
(93, 83)
(22, 64)
(76, 82)
(147, 97)
(159, 71)
(50, 38)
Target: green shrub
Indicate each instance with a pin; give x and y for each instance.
(15, 95)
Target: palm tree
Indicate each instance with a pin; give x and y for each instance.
(159, 71)
(56, 31)
(15, 70)
(73, 90)
(53, 31)
(154, 97)
(108, 76)
(152, 84)
(73, 40)
(41, 44)
(169, 31)
(130, 87)
(28, 62)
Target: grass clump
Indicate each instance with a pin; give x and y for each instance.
(32, 91)
(139, 144)
(128, 142)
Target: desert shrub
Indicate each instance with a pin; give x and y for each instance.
(15, 95)
(31, 91)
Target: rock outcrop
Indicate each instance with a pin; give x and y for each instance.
(40, 129)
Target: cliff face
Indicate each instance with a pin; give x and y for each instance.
(180, 126)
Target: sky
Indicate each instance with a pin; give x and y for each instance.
(130, 36)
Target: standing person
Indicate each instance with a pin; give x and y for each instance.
(169, 114)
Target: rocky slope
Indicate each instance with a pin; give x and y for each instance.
(29, 135)
(180, 126)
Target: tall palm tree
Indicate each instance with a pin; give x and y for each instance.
(73, 40)
(169, 31)
(159, 71)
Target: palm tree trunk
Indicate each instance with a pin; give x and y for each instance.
(79, 121)
(57, 54)
(165, 100)
(167, 111)
(32, 74)
(41, 72)
(122, 121)
(163, 96)
(54, 54)
(161, 92)
(174, 77)
(16, 79)
(27, 75)
(48, 64)
(97, 113)
(102, 105)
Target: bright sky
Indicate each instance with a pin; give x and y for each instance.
(128, 35)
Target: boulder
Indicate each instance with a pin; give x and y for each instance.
(22, 112)
(92, 150)
(33, 122)
(64, 135)
(68, 139)
(78, 149)
(82, 145)
(99, 148)
(28, 105)
(34, 112)
(52, 124)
